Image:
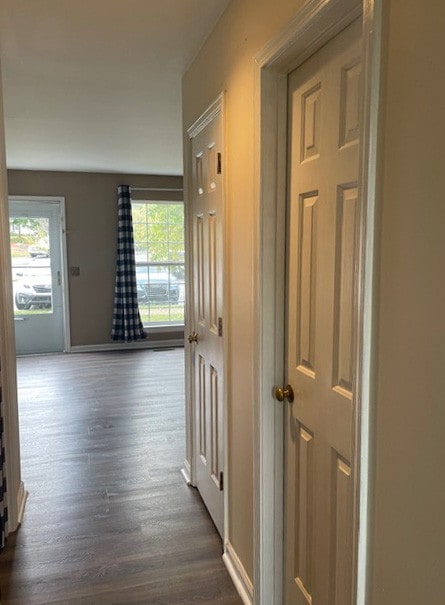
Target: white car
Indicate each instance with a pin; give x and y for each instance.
(33, 290)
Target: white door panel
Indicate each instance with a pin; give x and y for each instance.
(322, 240)
(207, 213)
(35, 228)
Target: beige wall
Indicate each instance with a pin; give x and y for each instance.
(409, 532)
(226, 64)
(408, 536)
(91, 216)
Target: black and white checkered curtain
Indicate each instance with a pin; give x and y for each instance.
(3, 507)
(127, 325)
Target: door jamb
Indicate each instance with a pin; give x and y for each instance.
(314, 25)
(60, 201)
(15, 493)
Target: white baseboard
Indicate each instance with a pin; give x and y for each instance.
(22, 495)
(122, 346)
(16, 509)
(186, 476)
(238, 574)
(186, 472)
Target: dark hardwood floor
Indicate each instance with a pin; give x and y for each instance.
(109, 518)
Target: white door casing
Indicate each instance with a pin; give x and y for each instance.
(317, 22)
(206, 325)
(48, 331)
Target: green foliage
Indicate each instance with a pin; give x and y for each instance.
(161, 313)
(158, 232)
(28, 229)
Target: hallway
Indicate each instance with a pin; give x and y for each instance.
(109, 518)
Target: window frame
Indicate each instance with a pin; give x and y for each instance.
(169, 325)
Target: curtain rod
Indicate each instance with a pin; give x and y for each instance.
(156, 189)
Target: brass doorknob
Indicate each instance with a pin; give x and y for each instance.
(284, 393)
(193, 337)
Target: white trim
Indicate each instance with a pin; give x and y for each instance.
(60, 201)
(215, 108)
(314, 25)
(269, 367)
(188, 466)
(65, 285)
(366, 339)
(185, 472)
(220, 100)
(7, 351)
(123, 346)
(22, 496)
(317, 22)
(164, 328)
(238, 574)
(7, 355)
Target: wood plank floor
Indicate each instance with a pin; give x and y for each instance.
(109, 518)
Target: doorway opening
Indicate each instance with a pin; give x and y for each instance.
(313, 26)
(38, 257)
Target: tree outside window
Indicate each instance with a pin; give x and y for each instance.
(159, 253)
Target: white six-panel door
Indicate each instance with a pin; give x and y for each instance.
(322, 240)
(207, 337)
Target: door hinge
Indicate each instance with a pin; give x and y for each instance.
(219, 163)
(221, 481)
(220, 326)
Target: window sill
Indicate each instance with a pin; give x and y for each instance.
(164, 328)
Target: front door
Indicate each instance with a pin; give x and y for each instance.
(323, 129)
(207, 336)
(35, 233)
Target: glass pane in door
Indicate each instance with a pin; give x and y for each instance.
(31, 265)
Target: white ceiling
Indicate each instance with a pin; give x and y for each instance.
(95, 85)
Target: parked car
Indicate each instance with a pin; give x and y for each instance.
(38, 251)
(33, 289)
(156, 285)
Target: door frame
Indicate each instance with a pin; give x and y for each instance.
(313, 26)
(59, 201)
(216, 108)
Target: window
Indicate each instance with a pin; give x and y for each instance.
(159, 252)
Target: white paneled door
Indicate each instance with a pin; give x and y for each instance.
(206, 338)
(37, 273)
(323, 101)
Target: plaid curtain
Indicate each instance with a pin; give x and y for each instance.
(127, 325)
(3, 507)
